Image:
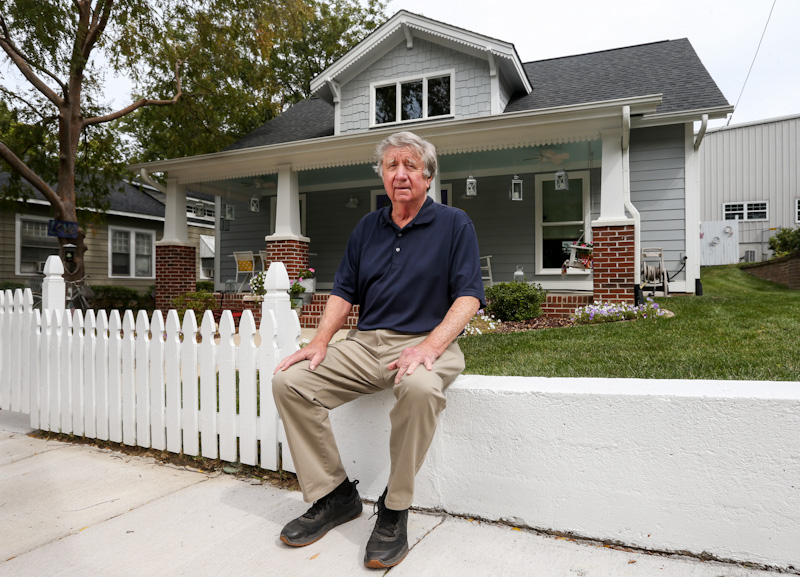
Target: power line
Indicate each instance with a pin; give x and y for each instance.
(752, 63)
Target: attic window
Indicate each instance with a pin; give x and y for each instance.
(413, 99)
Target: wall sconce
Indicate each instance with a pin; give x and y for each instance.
(516, 188)
(230, 213)
(199, 210)
(254, 203)
(472, 187)
(562, 180)
(352, 202)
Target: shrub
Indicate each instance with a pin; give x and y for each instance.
(11, 286)
(205, 285)
(785, 242)
(600, 312)
(515, 301)
(116, 297)
(199, 302)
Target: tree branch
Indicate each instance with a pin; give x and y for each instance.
(23, 64)
(33, 108)
(96, 28)
(139, 103)
(8, 155)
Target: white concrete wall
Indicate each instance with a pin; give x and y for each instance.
(697, 466)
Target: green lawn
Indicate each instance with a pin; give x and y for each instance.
(742, 328)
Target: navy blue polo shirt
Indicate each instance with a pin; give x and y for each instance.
(406, 279)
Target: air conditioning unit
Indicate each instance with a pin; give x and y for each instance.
(40, 266)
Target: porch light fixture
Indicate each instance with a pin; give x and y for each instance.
(199, 210)
(224, 224)
(516, 188)
(352, 202)
(562, 180)
(472, 187)
(254, 203)
(230, 213)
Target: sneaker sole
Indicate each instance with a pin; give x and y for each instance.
(378, 564)
(321, 535)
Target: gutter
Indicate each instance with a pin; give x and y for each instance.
(626, 192)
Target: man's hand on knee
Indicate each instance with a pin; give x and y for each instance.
(411, 358)
(312, 352)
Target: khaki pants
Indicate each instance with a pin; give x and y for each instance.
(351, 368)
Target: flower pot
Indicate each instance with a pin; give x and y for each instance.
(297, 305)
(310, 284)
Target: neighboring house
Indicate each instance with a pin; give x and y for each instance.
(750, 173)
(619, 122)
(120, 251)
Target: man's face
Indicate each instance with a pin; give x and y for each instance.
(403, 177)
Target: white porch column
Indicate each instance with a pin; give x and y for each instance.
(612, 188)
(435, 190)
(175, 228)
(287, 209)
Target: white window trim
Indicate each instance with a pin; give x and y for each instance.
(18, 242)
(273, 208)
(587, 219)
(375, 193)
(131, 233)
(397, 82)
(746, 204)
(797, 210)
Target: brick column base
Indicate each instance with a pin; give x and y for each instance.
(613, 263)
(176, 273)
(292, 253)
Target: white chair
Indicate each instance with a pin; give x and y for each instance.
(245, 266)
(486, 270)
(264, 260)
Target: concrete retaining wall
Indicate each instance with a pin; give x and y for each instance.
(698, 466)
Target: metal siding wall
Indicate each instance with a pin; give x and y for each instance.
(755, 162)
(472, 85)
(658, 190)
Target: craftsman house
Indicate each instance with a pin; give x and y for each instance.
(597, 147)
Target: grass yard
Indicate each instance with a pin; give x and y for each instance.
(742, 328)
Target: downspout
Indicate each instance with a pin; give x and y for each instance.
(701, 133)
(145, 176)
(626, 191)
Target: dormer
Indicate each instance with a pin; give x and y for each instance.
(413, 69)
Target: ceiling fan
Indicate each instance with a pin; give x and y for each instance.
(551, 156)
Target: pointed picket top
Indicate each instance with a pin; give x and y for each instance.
(208, 327)
(77, 322)
(3, 299)
(227, 328)
(18, 300)
(142, 324)
(189, 323)
(37, 320)
(173, 326)
(102, 322)
(128, 325)
(115, 325)
(277, 278)
(247, 329)
(157, 327)
(89, 323)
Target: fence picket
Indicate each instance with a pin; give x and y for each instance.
(102, 376)
(15, 373)
(128, 379)
(6, 312)
(142, 380)
(248, 396)
(158, 431)
(65, 372)
(76, 373)
(54, 368)
(191, 384)
(89, 399)
(208, 387)
(268, 412)
(173, 383)
(227, 388)
(35, 340)
(115, 377)
(25, 317)
(45, 383)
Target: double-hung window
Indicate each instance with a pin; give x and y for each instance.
(131, 253)
(416, 98)
(562, 217)
(757, 210)
(797, 209)
(33, 244)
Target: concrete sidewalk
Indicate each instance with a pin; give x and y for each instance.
(75, 510)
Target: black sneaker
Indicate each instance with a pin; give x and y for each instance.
(324, 515)
(388, 544)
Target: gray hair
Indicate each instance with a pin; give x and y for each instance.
(409, 141)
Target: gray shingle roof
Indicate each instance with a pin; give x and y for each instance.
(671, 68)
(310, 118)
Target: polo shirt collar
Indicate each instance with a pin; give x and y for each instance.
(424, 216)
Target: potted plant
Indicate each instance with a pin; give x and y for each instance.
(295, 293)
(257, 287)
(306, 279)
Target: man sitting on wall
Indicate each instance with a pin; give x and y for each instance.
(414, 270)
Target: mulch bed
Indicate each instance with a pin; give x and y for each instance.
(533, 324)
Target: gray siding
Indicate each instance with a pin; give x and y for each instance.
(472, 85)
(658, 190)
(505, 93)
(246, 232)
(754, 162)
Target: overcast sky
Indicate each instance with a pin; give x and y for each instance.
(724, 33)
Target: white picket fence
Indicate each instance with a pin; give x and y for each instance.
(151, 382)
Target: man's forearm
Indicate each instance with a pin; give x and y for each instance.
(460, 313)
(333, 318)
